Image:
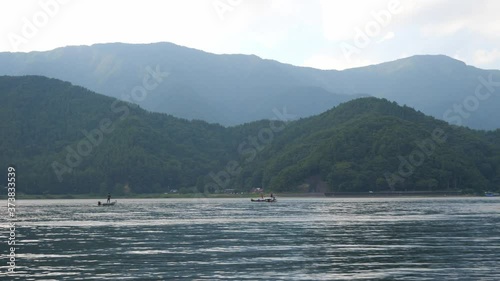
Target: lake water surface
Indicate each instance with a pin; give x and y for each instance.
(234, 239)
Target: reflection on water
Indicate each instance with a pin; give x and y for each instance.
(234, 239)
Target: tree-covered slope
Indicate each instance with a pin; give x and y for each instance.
(45, 121)
(66, 139)
(372, 144)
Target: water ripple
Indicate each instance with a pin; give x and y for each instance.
(233, 239)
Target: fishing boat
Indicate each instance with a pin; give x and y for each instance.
(269, 200)
(491, 194)
(106, 204)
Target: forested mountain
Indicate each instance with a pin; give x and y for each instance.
(66, 139)
(234, 89)
(372, 144)
(44, 121)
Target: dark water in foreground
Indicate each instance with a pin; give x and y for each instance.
(234, 239)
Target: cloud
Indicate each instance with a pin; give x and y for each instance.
(285, 7)
(328, 62)
(341, 20)
(390, 35)
(444, 28)
(447, 17)
(292, 31)
(469, 28)
(483, 57)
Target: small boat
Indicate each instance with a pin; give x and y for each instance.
(491, 194)
(269, 200)
(106, 204)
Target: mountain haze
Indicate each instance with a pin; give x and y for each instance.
(234, 89)
(227, 89)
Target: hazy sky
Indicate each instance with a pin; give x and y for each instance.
(318, 33)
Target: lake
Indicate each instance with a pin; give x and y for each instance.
(234, 239)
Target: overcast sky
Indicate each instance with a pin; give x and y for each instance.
(318, 33)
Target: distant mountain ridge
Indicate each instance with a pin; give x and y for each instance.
(234, 89)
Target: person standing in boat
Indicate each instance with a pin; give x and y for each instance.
(109, 198)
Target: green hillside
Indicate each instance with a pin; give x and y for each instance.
(147, 151)
(371, 144)
(65, 139)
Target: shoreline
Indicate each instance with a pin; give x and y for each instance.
(224, 196)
